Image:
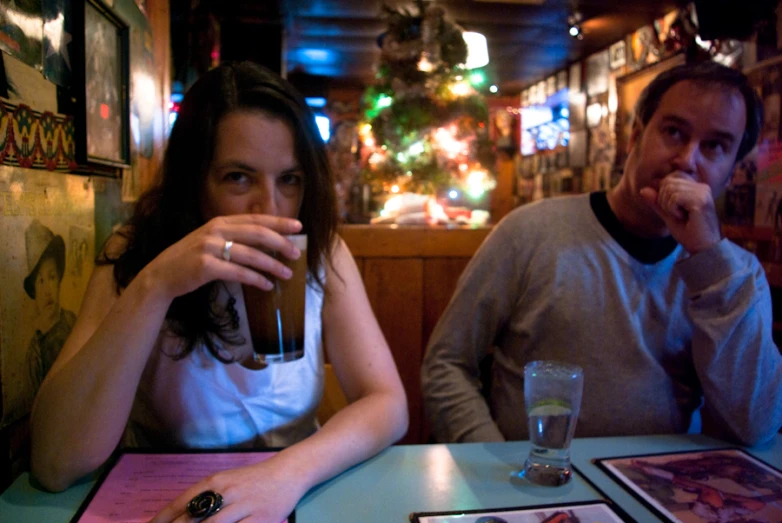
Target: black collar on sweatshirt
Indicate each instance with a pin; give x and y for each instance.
(645, 250)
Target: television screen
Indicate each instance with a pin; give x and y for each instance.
(545, 127)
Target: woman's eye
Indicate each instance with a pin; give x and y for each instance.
(290, 179)
(235, 177)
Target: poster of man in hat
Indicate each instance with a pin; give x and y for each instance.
(46, 266)
(44, 219)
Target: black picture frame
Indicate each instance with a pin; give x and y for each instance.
(648, 476)
(607, 508)
(101, 80)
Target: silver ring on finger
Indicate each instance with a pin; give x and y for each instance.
(227, 250)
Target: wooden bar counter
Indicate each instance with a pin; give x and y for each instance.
(410, 273)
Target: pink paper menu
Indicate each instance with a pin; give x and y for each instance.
(140, 485)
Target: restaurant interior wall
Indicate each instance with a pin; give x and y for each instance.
(45, 192)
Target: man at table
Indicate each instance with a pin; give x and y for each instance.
(635, 285)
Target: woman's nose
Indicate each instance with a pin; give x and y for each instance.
(262, 201)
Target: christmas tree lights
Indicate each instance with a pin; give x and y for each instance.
(424, 126)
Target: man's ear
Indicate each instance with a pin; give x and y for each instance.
(635, 135)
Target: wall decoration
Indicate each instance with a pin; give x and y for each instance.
(617, 55)
(766, 78)
(551, 85)
(44, 217)
(101, 81)
(142, 6)
(110, 212)
(36, 140)
(343, 155)
(26, 86)
(594, 114)
(597, 73)
(505, 128)
(21, 30)
(628, 89)
(602, 143)
(645, 47)
(148, 112)
(575, 78)
(768, 206)
(577, 107)
(562, 80)
(669, 29)
(577, 148)
(57, 41)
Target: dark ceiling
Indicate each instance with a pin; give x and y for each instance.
(337, 39)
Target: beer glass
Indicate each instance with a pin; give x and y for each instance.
(276, 317)
(552, 397)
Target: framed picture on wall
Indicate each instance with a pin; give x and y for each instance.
(574, 78)
(562, 80)
(577, 148)
(628, 89)
(577, 103)
(617, 55)
(597, 70)
(100, 81)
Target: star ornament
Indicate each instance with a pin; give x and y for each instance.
(58, 39)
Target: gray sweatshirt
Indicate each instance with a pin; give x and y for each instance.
(656, 341)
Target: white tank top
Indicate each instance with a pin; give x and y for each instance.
(199, 402)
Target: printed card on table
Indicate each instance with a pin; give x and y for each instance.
(139, 485)
(705, 486)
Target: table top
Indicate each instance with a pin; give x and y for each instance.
(427, 478)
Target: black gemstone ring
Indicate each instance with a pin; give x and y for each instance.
(207, 503)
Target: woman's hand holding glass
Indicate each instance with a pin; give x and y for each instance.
(197, 259)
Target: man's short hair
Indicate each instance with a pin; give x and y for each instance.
(708, 75)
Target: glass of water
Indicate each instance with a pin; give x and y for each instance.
(552, 397)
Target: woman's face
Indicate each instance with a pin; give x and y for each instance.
(254, 168)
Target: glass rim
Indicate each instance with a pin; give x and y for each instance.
(555, 368)
(299, 240)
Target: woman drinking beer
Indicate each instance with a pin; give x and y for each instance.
(158, 357)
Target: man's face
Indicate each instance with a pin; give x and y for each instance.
(696, 130)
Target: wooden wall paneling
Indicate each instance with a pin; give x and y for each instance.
(360, 265)
(395, 290)
(160, 21)
(503, 198)
(379, 241)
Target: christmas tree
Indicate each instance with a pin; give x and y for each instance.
(425, 123)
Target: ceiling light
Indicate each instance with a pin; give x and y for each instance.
(574, 25)
(477, 50)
